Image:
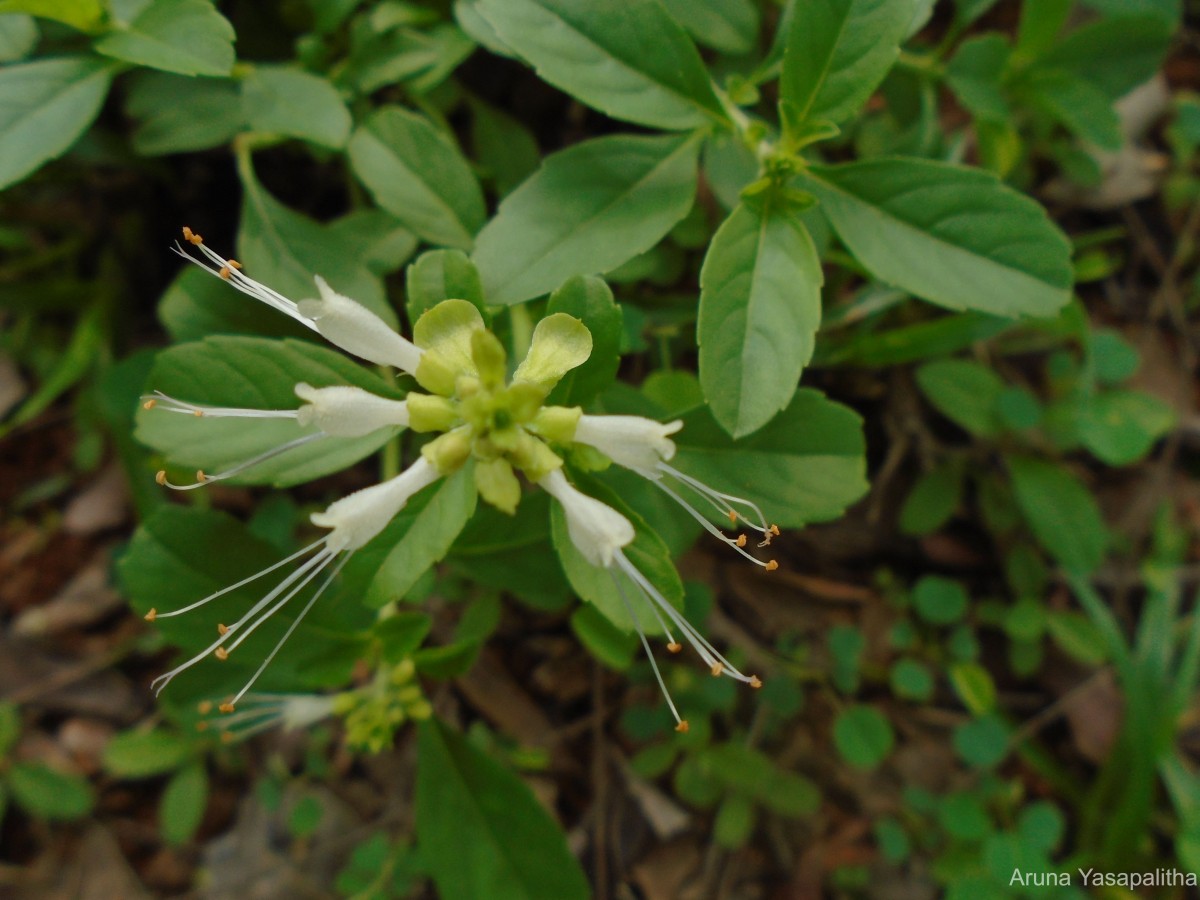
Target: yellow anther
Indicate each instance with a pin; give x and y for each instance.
(741, 540)
(226, 737)
(152, 615)
(774, 530)
(161, 476)
(187, 234)
(755, 682)
(235, 264)
(733, 516)
(224, 272)
(222, 654)
(200, 476)
(197, 413)
(222, 629)
(682, 727)
(204, 707)
(226, 708)
(202, 726)
(717, 669)
(150, 404)
(771, 565)
(674, 647)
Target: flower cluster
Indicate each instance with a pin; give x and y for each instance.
(503, 424)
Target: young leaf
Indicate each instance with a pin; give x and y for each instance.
(975, 73)
(806, 465)
(176, 113)
(419, 537)
(481, 832)
(863, 736)
(46, 106)
(439, 275)
(281, 100)
(182, 805)
(837, 53)
(631, 61)
(258, 374)
(46, 793)
(144, 754)
(952, 235)
(730, 26)
(588, 209)
(963, 391)
(760, 307)
(188, 37)
(1061, 512)
(418, 175)
(590, 300)
(1115, 54)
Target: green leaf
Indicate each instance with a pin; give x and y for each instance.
(1061, 512)
(144, 754)
(975, 74)
(734, 822)
(963, 391)
(480, 831)
(1120, 427)
(196, 305)
(1077, 636)
(952, 235)
(292, 102)
(648, 554)
(10, 728)
(940, 601)
(1078, 105)
(284, 250)
(962, 815)
(1115, 54)
(590, 300)
(1040, 24)
(417, 538)
(1113, 358)
(439, 275)
(183, 802)
(176, 114)
(197, 552)
(418, 175)
(252, 373)
(932, 500)
(760, 308)
(604, 640)
(632, 62)
(863, 736)
(730, 26)
(18, 36)
(1041, 826)
(912, 680)
(1166, 9)
(503, 146)
(806, 465)
(837, 53)
(84, 15)
(974, 686)
(188, 37)
(589, 209)
(46, 106)
(982, 742)
(45, 793)
(381, 242)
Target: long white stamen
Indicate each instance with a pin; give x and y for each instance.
(326, 558)
(287, 634)
(662, 685)
(228, 271)
(203, 478)
(709, 526)
(711, 656)
(319, 559)
(242, 583)
(714, 497)
(159, 400)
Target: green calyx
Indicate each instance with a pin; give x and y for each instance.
(374, 713)
(504, 425)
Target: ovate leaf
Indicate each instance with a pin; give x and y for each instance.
(182, 805)
(589, 209)
(1061, 512)
(481, 832)
(176, 113)
(46, 793)
(251, 373)
(281, 100)
(144, 754)
(730, 26)
(629, 60)
(760, 307)
(952, 235)
(806, 465)
(188, 37)
(837, 53)
(965, 392)
(418, 175)
(44, 107)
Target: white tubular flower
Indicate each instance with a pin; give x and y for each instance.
(643, 446)
(341, 321)
(634, 442)
(599, 533)
(354, 521)
(348, 411)
(597, 530)
(354, 328)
